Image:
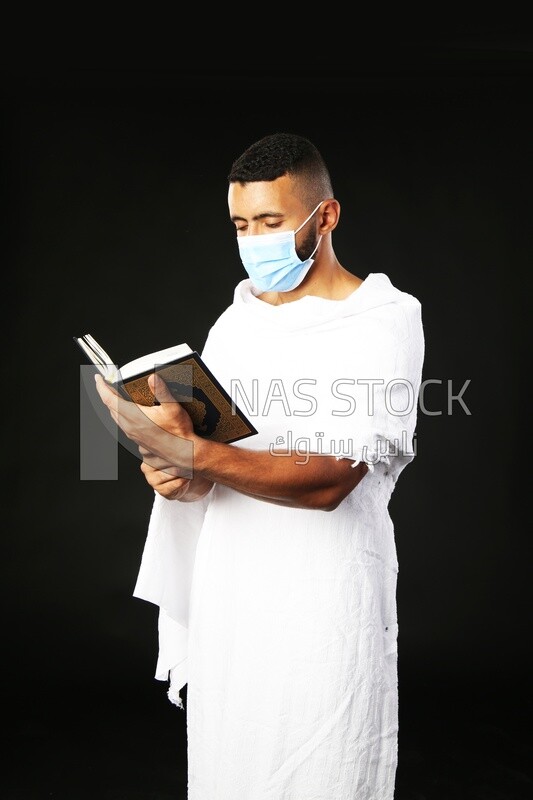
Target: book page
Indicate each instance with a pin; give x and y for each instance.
(147, 362)
(98, 356)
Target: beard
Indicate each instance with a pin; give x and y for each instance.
(307, 246)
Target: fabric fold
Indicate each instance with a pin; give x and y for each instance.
(165, 579)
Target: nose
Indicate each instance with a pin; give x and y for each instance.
(253, 229)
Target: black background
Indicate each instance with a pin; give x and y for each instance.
(117, 225)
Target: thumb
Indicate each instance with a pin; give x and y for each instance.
(160, 389)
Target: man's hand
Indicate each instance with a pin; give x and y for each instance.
(174, 488)
(165, 484)
(164, 433)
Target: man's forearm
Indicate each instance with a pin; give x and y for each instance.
(319, 482)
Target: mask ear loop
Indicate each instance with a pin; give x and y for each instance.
(316, 248)
(307, 220)
(309, 217)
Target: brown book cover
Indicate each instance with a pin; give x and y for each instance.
(214, 414)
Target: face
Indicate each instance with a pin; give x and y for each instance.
(269, 207)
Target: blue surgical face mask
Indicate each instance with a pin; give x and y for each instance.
(271, 261)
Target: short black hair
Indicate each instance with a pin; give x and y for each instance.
(285, 154)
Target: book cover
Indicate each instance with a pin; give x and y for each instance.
(214, 414)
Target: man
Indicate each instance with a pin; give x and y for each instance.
(274, 566)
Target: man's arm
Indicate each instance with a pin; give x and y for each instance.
(320, 482)
(166, 439)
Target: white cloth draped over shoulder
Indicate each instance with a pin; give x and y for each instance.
(282, 621)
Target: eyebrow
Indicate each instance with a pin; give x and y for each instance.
(264, 215)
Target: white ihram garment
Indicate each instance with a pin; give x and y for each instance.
(282, 621)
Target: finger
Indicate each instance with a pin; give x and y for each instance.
(160, 389)
(128, 416)
(174, 493)
(107, 394)
(157, 476)
(155, 461)
(121, 410)
(146, 469)
(159, 465)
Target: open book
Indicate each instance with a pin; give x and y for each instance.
(214, 414)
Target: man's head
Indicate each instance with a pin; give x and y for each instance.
(280, 185)
(285, 154)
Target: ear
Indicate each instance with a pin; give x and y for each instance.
(329, 214)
